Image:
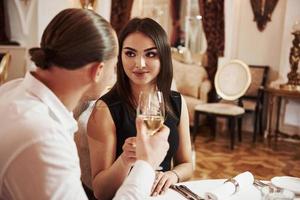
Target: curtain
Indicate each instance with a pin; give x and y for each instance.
(3, 36)
(176, 29)
(212, 12)
(120, 13)
(262, 10)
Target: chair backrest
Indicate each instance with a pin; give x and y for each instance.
(232, 80)
(188, 78)
(4, 63)
(259, 75)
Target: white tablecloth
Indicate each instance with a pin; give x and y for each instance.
(202, 186)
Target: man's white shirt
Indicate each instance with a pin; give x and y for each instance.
(38, 155)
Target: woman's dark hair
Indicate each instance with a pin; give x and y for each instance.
(153, 30)
(74, 38)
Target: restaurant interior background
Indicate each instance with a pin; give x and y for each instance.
(25, 21)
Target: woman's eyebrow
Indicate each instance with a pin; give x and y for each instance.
(131, 49)
(148, 49)
(151, 48)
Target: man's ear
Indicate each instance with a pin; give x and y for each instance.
(96, 71)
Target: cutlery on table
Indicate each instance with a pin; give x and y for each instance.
(182, 192)
(261, 184)
(197, 197)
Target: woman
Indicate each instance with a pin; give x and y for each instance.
(144, 64)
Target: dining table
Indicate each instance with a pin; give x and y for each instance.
(200, 187)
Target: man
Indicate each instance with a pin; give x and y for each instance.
(38, 156)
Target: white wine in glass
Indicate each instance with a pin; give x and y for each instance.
(153, 123)
(151, 110)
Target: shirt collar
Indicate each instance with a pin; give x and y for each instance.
(62, 114)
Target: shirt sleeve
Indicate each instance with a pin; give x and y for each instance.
(138, 183)
(47, 169)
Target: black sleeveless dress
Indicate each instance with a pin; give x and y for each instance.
(125, 123)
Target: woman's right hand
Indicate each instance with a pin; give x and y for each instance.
(129, 151)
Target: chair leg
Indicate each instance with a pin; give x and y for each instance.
(260, 122)
(255, 128)
(232, 131)
(240, 122)
(195, 128)
(228, 124)
(213, 126)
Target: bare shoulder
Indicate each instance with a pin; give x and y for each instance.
(99, 111)
(100, 122)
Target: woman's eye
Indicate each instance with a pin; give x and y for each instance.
(129, 53)
(151, 54)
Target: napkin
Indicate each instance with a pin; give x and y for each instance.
(245, 180)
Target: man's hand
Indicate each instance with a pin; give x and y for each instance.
(152, 149)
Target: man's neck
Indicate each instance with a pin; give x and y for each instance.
(64, 84)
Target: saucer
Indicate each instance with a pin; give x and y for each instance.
(287, 182)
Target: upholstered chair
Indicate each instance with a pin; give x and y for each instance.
(231, 82)
(191, 80)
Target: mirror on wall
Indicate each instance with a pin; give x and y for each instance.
(194, 38)
(157, 10)
(192, 42)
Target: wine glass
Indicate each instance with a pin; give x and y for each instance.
(151, 109)
(271, 193)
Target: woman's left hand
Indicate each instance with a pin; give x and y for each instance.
(129, 151)
(162, 182)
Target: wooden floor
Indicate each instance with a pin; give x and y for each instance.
(264, 160)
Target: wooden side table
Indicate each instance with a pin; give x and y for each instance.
(275, 93)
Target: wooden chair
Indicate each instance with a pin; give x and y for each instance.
(253, 99)
(231, 81)
(4, 63)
